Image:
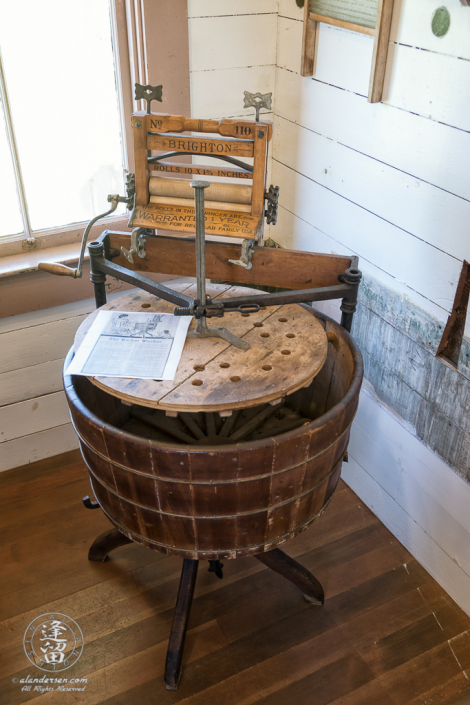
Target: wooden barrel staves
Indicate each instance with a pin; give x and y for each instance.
(221, 501)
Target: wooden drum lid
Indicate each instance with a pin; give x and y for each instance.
(253, 452)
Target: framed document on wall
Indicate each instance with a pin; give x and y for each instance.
(372, 17)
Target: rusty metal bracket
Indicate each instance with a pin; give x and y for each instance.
(148, 93)
(272, 200)
(90, 503)
(248, 248)
(258, 101)
(137, 245)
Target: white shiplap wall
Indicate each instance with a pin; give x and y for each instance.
(232, 49)
(34, 419)
(389, 182)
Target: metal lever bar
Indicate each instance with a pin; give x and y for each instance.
(202, 330)
(64, 271)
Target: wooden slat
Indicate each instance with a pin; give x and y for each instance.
(451, 341)
(189, 203)
(343, 23)
(290, 269)
(259, 173)
(140, 161)
(32, 416)
(200, 145)
(242, 129)
(30, 382)
(180, 168)
(265, 332)
(37, 446)
(308, 43)
(182, 219)
(379, 56)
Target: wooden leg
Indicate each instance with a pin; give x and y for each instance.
(174, 654)
(283, 564)
(105, 543)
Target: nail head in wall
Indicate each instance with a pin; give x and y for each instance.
(440, 21)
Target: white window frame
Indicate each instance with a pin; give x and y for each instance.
(129, 51)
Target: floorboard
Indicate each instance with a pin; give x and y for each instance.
(386, 635)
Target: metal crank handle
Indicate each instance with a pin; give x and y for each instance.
(62, 269)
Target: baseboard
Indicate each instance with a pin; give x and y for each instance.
(415, 495)
(37, 446)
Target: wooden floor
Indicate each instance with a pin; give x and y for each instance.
(387, 634)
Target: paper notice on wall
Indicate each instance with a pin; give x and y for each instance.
(133, 345)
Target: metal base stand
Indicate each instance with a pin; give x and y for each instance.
(276, 559)
(203, 331)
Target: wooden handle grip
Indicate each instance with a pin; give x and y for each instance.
(59, 269)
(332, 338)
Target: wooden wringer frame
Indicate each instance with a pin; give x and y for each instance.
(158, 198)
(202, 477)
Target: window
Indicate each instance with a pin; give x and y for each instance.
(62, 143)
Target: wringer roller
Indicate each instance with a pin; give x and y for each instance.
(243, 449)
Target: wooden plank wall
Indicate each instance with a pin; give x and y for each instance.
(34, 419)
(389, 182)
(232, 49)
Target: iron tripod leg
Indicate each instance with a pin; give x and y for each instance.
(104, 543)
(276, 559)
(283, 564)
(174, 655)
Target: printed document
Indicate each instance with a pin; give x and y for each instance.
(134, 345)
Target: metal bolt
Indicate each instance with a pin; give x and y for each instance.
(138, 124)
(260, 133)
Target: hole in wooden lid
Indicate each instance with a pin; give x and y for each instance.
(235, 379)
(285, 352)
(264, 335)
(245, 315)
(290, 335)
(224, 364)
(144, 305)
(199, 368)
(266, 368)
(196, 382)
(282, 320)
(258, 325)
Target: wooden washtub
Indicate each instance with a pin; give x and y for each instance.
(224, 501)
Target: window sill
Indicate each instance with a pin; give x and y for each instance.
(25, 288)
(28, 262)
(46, 242)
